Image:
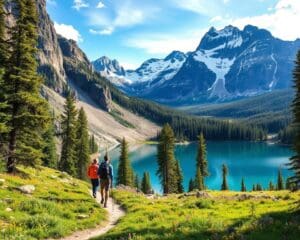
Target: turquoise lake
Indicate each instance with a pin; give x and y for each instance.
(257, 162)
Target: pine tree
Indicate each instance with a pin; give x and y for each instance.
(166, 160)
(146, 184)
(258, 187)
(93, 146)
(68, 154)
(198, 184)
(243, 186)
(191, 185)
(4, 55)
(27, 110)
(180, 188)
(280, 182)
(125, 171)
(137, 183)
(254, 188)
(50, 158)
(82, 144)
(224, 175)
(295, 160)
(271, 186)
(201, 159)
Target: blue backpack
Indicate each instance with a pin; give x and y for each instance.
(103, 171)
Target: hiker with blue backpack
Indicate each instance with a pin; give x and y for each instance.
(105, 173)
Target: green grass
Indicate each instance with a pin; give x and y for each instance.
(53, 210)
(222, 216)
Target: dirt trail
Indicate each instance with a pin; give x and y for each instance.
(115, 212)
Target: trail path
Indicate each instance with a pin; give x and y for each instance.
(115, 212)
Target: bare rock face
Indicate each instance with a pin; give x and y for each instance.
(80, 71)
(49, 56)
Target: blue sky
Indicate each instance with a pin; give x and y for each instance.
(133, 31)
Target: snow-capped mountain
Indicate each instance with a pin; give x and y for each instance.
(112, 70)
(227, 64)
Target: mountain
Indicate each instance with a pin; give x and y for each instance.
(112, 70)
(228, 64)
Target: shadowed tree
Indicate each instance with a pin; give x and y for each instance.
(271, 186)
(243, 186)
(224, 176)
(180, 188)
(146, 184)
(50, 158)
(68, 153)
(295, 160)
(201, 160)
(191, 185)
(125, 171)
(166, 160)
(82, 145)
(27, 110)
(198, 184)
(280, 182)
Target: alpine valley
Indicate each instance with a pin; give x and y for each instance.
(227, 65)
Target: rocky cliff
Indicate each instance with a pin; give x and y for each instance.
(80, 71)
(49, 56)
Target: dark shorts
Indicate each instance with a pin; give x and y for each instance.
(105, 184)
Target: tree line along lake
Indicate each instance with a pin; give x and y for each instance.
(257, 162)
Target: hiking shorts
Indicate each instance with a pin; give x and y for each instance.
(105, 184)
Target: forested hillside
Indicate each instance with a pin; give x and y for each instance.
(271, 111)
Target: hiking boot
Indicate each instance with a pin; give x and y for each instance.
(102, 201)
(94, 195)
(105, 205)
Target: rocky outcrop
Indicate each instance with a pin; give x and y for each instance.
(49, 56)
(80, 72)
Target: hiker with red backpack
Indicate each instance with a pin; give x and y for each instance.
(93, 175)
(105, 173)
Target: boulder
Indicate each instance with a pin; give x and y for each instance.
(8, 209)
(82, 216)
(203, 194)
(27, 189)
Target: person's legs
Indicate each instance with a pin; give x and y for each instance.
(107, 184)
(94, 187)
(102, 188)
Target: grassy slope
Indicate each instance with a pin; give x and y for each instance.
(222, 216)
(53, 210)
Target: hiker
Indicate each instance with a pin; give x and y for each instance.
(105, 173)
(93, 175)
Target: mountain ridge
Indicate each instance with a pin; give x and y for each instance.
(227, 64)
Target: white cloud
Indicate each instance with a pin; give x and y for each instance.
(78, 4)
(125, 13)
(281, 20)
(164, 44)
(106, 31)
(68, 31)
(216, 19)
(100, 5)
(202, 7)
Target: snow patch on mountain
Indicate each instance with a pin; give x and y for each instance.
(220, 66)
(152, 69)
